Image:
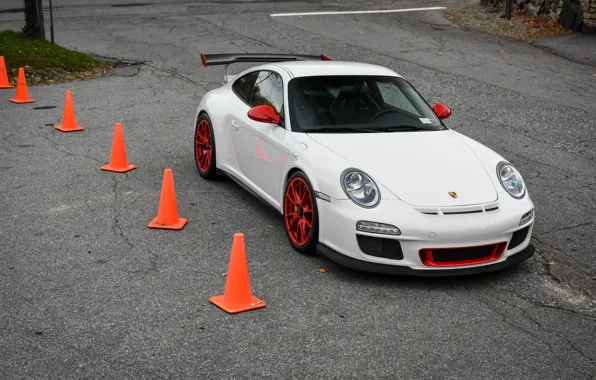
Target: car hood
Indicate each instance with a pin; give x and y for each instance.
(420, 168)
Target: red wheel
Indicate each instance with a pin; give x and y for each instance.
(300, 214)
(205, 147)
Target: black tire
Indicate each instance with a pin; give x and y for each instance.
(305, 246)
(208, 171)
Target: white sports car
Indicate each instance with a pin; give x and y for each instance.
(362, 168)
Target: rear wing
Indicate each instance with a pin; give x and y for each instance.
(227, 59)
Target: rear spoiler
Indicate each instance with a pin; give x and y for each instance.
(227, 59)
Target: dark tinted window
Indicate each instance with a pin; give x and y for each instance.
(350, 103)
(268, 90)
(244, 85)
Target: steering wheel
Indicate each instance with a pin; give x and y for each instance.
(383, 112)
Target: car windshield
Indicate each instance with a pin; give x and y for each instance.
(358, 104)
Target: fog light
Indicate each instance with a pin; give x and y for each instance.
(377, 228)
(528, 216)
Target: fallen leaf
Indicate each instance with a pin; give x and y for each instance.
(321, 270)
(550, 262)
(500, 51)
(587, 57)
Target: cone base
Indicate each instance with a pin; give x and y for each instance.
(6, 86)
(64, 129)
(176, 226)
(254, 303)
(111, 168)
(20, 101)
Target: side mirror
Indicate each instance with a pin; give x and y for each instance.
(264, 114)
(442, 111)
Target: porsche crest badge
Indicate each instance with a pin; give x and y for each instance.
(453, 194)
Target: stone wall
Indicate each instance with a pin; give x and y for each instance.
(589, 7)
(551, 7)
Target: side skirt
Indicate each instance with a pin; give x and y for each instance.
(249, 190)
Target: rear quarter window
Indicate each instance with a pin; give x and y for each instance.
(244, 85)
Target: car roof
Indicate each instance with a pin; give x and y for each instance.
(311, 68)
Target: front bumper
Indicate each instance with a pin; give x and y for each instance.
(338, 236)
(368, 266)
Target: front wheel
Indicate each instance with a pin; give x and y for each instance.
(205, 147)
(300, 214)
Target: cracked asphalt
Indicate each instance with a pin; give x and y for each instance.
(88, 291)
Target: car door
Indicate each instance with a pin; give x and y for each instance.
(256, 144)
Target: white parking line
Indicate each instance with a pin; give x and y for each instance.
(356, 12)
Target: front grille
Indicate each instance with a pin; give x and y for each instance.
(459, 210)
(380, 247)
(449, 257)
(518, 237)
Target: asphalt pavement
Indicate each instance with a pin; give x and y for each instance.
(88, 291)
(576, 47)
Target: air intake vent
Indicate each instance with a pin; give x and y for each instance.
(518, 237)
(380, 247)
(459, 210)
(451, 257)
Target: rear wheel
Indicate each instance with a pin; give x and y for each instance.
(205, 147)
(300, 214)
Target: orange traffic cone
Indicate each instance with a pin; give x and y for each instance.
(260, 151)
(237, 296)
(4, 75)
(167, 214)
(118, 162)
(69, 120)
(22, 92)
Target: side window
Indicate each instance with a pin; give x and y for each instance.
(244, 85)
(268, 90)
(393, 96)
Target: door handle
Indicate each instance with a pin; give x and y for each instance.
(235, 124)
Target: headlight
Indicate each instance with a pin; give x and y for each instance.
(360, 188)
(511, 180)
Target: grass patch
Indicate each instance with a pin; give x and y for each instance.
(472, 15)
(45, 62)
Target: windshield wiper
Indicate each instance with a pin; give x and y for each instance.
(404, 127)
(342, 130)
(395, 128)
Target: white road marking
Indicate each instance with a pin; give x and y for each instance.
(356, 12)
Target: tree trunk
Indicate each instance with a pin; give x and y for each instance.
(34, 25)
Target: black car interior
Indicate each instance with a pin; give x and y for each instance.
(340, 101)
